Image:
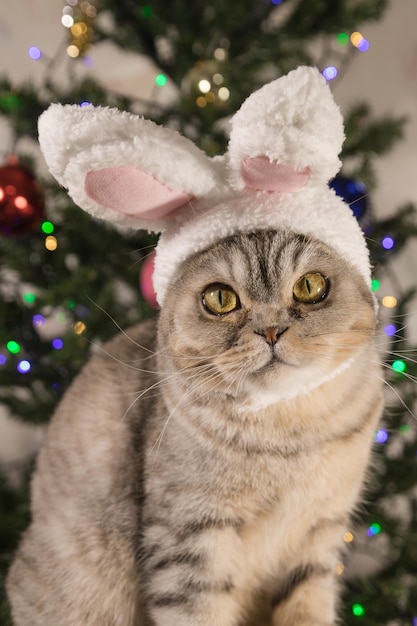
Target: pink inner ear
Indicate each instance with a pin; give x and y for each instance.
(131, 191)
(260, 173)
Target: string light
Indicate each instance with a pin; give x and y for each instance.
(343, 39)
(340, 568)
(399, 366)
(387, 243)
(57, 344)
(29, 297)
(204, 85)
(13, 347)
(389, 302)
(78, 18)
(161, 80)
(381, 436)
(356, 38)
(146, 12)
(375, 285)
(363, 46)
(348, 537)
(224, 94)
(79, 328)
(67, 21)
(220, 54)
(358, 610)
(390, 330)
(23, 367)
(374, 529)
(3, 359)
(330, 72)
(35, 53)
(51, 243)
(47, 228)
(38, 320)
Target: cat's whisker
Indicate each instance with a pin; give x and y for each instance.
(180, 402)
(158, 384)
(119, 328)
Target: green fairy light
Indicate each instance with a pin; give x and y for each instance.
(399, 366)
(358, 610)
(47, 228)
(375, 284)
(374, 529)
(146, 12)
(13, 347)
(161, 80)
(29, 297)
(343, 39)
(404, 429)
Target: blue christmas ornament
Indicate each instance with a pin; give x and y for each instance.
(354, 192)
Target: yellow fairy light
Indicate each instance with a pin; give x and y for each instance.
(356, 39)
(340, 568)
(201, 102)
(79, 328)
(389, 302)
(348, 537)
(73, 51)
(79, 29)
(51, 243)
(210, 97)
(79, 19)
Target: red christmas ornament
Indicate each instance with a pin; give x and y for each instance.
(21, 200)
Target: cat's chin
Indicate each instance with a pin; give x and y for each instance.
(278, 381)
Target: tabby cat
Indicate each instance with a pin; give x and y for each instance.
(204, 466)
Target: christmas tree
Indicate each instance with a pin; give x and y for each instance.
(69, 282)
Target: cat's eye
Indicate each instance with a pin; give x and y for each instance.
(311, 288)
(220, 299)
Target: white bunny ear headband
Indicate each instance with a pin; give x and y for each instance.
(283, 150)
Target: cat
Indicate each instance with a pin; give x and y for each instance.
(204, 466)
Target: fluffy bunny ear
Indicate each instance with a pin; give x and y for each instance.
(121, 167)
(287, 134)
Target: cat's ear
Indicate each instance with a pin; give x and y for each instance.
(121, 167)
(287, 134)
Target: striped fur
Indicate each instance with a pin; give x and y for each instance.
(196, 475)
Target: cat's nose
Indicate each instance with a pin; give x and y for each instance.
(271, 334)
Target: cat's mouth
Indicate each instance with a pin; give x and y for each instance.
(274, 361)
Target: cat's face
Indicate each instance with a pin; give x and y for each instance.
(269, 312)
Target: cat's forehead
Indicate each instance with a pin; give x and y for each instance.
(263, 257)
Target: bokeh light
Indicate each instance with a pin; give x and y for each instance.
(161, 80)
(390, 330)
(381, 436)
(23, 367)
(387, 243)
(399, 366)
(330, 72)
(35, 53)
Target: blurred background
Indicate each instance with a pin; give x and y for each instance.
(67, 281)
